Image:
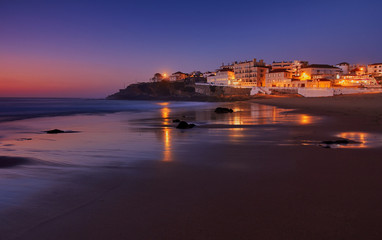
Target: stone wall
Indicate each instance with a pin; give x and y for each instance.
(219, 91)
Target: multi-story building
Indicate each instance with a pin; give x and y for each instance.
(207, 74)
(375, 69)
(223, 76)
(318, 71)
(178, 76)
(227, 66)
(279, 78)
(359, 71)
(292, 66)
(344, 66)
(250, 73)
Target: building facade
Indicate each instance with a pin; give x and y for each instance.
(375, 69)
(223, 77)
(278, 78)
(359, 71)
(318, 71)
(250, 73)
(178, 76)
(344, 66)
(356, 81)
(292, 66)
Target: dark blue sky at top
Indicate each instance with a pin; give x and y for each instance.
(139, 38)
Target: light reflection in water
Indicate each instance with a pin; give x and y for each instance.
(274, 114)
(165, 112)
(247, 114)
(305, 119)
(164, 103)
(167, 156)
(364, 139)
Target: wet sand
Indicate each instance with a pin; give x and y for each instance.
(233, 185)
(358, 105)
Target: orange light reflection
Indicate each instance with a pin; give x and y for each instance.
(305, 119)
(360, 137)
(167, 156)
(165, 113)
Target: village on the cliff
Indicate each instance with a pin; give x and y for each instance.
(287, 77)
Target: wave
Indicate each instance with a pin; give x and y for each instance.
(22, 108)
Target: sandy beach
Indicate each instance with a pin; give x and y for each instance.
(265, 176)
(358, 105)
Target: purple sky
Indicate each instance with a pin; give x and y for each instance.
(93, 48)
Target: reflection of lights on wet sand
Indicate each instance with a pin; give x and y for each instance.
(236, 120)
(305, 119)
(274, 115)
(355, 136)
(235, 134)
(165, 112)
(163, 103)
(167, 145)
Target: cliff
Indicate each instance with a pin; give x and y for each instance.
(178, 91)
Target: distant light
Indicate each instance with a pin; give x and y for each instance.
(164, 74)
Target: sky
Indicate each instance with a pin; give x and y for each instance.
(90, 48)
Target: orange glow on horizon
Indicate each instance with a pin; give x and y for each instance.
(26, 76)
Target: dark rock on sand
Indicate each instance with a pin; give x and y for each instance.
(175, 120)
(339, 141)
(223, 110)
(185, 125)
(54, 131)
(333, 143)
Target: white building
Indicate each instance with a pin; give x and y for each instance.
(317, 71)
(375, 69)
(178, 76)
(251, 73)
(222, 77)
(292, 66)
(207, 74)
(344, 66)
(278, 78)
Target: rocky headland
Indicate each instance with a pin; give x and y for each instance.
(177, 91)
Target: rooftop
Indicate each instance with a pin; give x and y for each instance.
(178, 72)
(225, 70)
(320, 66)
